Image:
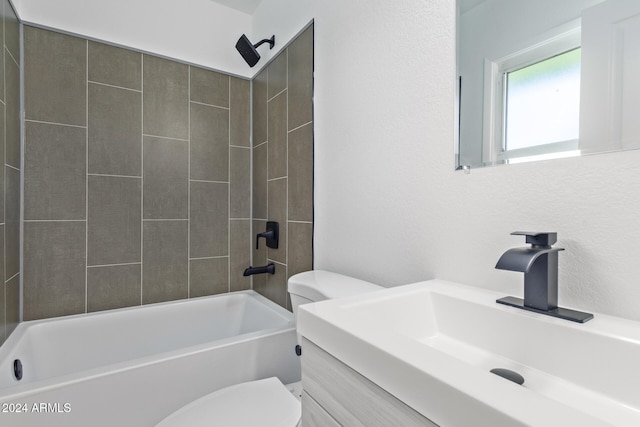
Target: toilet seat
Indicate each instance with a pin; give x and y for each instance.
(266, 403)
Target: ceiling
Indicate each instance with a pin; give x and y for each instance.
(246, 6)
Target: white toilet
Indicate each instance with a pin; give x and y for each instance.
(267, 402)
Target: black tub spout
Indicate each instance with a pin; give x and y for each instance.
(270, 268)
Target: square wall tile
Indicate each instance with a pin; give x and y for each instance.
(55, 77)
(209, 143)
(260, 107)
(115, 131)
(55, 172)
(165, 261)
(113, 286)
(301, 79)
(209, 219)
(300, 172)
(278, 136)
(54, 269)
(240, 243)
(209, 87)
(115, 66)
(208, 276)
(114, 225)
(165, 98)
(240, 182)
(240, 112)
(166, 178)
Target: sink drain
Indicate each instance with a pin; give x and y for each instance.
(509, 375)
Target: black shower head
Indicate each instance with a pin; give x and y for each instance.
(248, 50)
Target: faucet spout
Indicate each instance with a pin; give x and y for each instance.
(539, 263)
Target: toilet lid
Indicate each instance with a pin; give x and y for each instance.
(266, 403)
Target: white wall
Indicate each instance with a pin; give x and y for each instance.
(198, 31)
(389, 206)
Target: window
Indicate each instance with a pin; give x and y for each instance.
(534, 107)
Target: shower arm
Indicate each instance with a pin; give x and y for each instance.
(271, 41)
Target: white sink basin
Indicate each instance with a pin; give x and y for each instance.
(432, 345)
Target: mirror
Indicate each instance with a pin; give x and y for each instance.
(546, 79)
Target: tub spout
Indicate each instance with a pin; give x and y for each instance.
(270, 268)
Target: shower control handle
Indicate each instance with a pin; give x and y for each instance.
(271, 235)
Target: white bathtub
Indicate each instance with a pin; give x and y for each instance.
(134, 366)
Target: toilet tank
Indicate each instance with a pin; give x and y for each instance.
(319, 285)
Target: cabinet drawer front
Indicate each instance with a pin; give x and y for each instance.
(313, 415)
(350, 398)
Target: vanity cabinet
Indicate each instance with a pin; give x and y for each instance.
(336, 395)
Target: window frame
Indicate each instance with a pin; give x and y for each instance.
(495, 75)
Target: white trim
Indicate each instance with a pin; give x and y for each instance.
(558, 41)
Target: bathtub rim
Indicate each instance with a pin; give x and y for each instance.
(19, 389)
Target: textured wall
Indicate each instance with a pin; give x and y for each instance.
(390, 208)
(283, 164)
(136, 178)
(10, 178)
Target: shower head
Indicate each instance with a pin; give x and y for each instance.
(248, 50)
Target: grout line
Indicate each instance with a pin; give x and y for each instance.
(277, 94)
(113, 86)
(276, 179)
(11, 55)
(299, 127)
(114, 176)
(142, 177)
(55, 220)
(114, 265)
(12, 167)
(239, 146)
(165, 137)
(54, 123)
(164, 219)
(209, 257)
(86, 197)
(207, 105)
(300, 222)
(189, 183)
(209, 182)
(262, 143)
(286, 195)
(229, 191)
(11, 278)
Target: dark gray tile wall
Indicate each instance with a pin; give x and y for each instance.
(138, 171)
(137, 179)
(10, 176)
(283, 164)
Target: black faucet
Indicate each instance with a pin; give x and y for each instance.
(269, 268)
(539, 263)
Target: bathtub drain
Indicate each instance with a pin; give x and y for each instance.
(17, 369)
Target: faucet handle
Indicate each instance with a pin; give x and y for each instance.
(538, 238)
